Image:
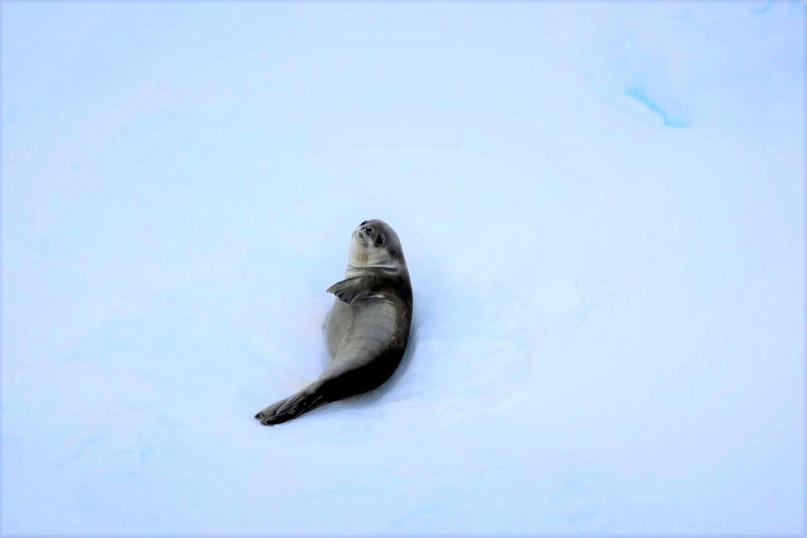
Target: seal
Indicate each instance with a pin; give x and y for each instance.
(367, 328)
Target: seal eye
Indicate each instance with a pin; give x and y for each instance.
(363, 223)
(379, 241)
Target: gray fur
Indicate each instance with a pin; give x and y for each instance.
(368, 327)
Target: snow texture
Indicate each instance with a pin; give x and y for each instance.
(602, 210)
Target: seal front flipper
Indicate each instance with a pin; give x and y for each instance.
(351, 289)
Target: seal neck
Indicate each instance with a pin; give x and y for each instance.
(353, 270)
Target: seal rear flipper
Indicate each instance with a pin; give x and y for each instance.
(269, 411)
(292, 407)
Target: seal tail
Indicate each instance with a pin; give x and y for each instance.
(292, 407)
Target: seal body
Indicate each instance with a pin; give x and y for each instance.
(367, 329)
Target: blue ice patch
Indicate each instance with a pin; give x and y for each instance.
(675, 121)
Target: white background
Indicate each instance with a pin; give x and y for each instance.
(602, 209)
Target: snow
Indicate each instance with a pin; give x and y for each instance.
(601, 207)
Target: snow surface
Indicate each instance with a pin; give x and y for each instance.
(602, 210)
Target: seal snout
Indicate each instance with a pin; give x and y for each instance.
(360, 236)
(364, 232)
